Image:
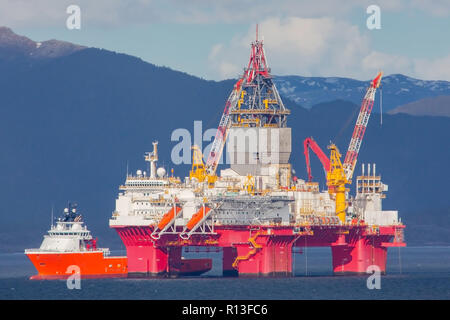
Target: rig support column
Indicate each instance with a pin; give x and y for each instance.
(153, 261)
(273, 258)
(356, 257)
(229, 256)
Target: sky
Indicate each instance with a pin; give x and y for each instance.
(211, 39)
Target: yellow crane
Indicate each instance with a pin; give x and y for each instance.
(337, 181)
(340, 174)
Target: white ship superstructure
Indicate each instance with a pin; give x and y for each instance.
(69, 248)
(69, 234)
(143, 200)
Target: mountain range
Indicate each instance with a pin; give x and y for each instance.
(433, 106)
(73, 120)
(396, 90)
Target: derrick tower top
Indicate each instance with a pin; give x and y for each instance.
(259, 103)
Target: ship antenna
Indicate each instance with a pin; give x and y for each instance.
(51, 221)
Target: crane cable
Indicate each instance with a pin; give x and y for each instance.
(351, 117)
(381, 105)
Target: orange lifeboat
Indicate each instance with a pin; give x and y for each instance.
(197, 217)
(168, 217)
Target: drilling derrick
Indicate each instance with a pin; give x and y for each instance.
(260, 104)
(259, 140)
(254, 112)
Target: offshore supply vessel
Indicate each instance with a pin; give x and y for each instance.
(256, 211)
(69, 247)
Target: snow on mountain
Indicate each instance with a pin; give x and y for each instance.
(397, 89)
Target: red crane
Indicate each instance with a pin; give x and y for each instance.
(222, 132)
(357, 137)
(310, 143)
(360, 127)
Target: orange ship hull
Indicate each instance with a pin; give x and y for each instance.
(92, 265)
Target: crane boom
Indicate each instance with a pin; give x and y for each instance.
(360, 127)
(222, 131)
(310, 143)
(338, 174)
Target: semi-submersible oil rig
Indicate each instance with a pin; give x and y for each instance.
(256, 211)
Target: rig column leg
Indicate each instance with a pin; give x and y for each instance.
(144, 258)
(174, 257)
(357, 256)
(229, 255)
(272, 259)
(147, 260)
(276, 259)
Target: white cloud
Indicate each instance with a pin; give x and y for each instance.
(20, 13)
(52, 13)
(437, 69)
(302, 36)
(306, 46)
(374, 61)
(242, 11)
(228, 70)
(319, 47)
(438, 8)
(223, 67)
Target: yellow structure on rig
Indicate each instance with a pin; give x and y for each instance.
(249, 184)
(198, 170)
(338, 174)
(337, 182)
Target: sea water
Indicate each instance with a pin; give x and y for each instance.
(412, 273)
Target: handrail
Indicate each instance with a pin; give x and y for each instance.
(255, 246)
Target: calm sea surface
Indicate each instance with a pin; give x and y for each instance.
(413, 273)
